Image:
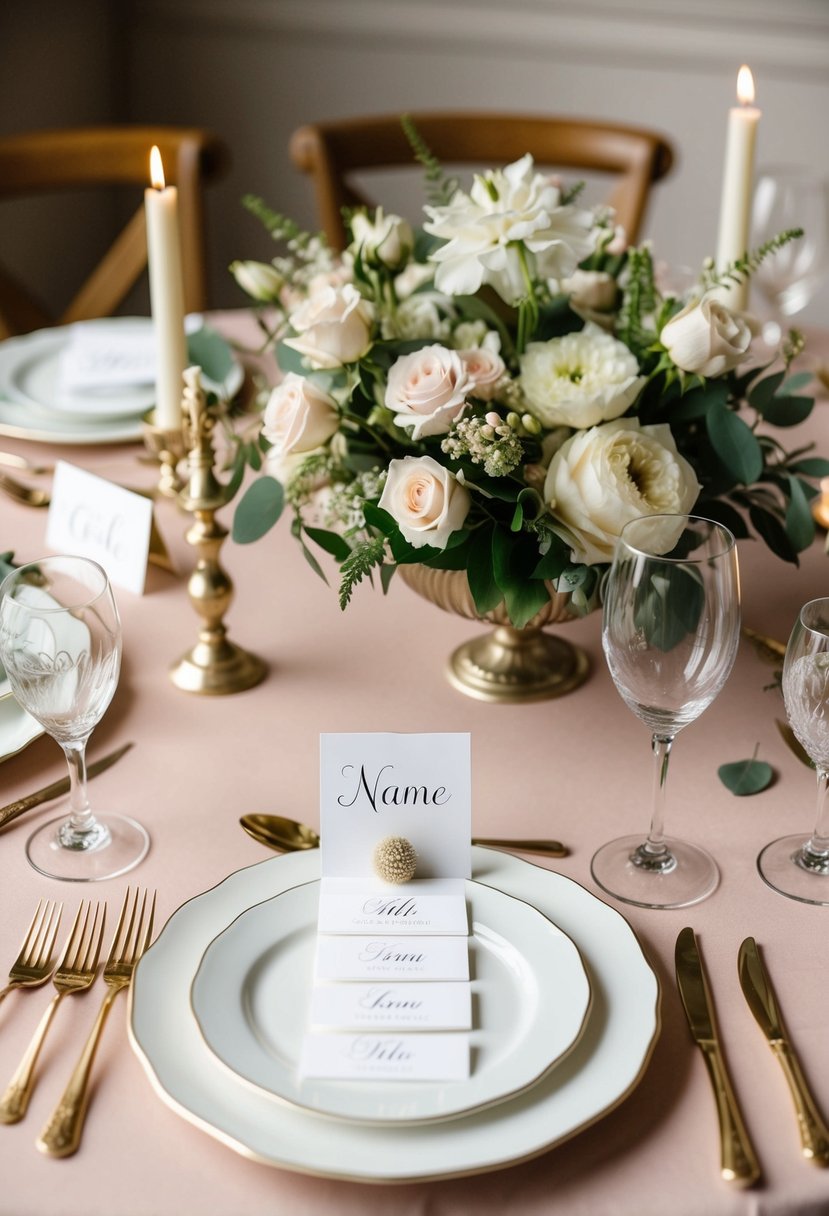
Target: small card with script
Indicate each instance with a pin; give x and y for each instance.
(391, 1006)
(365, 905)
(392, 958)
(386, 1057)
(94, 518)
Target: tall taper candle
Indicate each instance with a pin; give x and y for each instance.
(166, 293)
(737, 186)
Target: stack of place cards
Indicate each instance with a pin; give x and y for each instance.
(392, 997)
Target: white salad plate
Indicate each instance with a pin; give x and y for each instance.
(605, 1065)
(530, 997)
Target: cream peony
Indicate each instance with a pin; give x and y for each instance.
(602, 478)
(386, 239)
(706, 338)
(427, 390)
(509, 214)
(298, 417)
(425, 500)
(333, 326)
(580, 379)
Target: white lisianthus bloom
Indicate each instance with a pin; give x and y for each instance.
(299, 416)
(425, 500)
(333, 326)
(419, 316)
(706, 338)
(580, 379)
(413, 277)
(602, 478)
(387, 239)
(261, 280)
(486, 369)
(427, 390)
(469, 334)
(509, 214)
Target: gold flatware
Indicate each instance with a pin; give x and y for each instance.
(7, 813)
(30, 496)
(62, 1134)
(34, 963)
(759, 993)
(769, 649)
(289, 836)
(13, 461)
(74, 973)
(790, 739)
(738, 1161)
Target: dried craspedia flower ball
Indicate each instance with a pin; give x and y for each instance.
(395, 859)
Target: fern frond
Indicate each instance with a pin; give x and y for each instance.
(361, 561)
(439, 187)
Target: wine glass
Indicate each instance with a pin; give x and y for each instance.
(670, 630)
(60, 643)
(790, 197)
(798, 866)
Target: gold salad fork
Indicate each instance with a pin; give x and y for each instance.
(62, 1134)
(75, 973)
(34, 963)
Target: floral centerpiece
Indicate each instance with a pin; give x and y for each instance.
(499, 392)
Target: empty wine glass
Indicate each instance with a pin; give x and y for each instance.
(60, 642)
(798, 866)
(790, 197)
(670, 630)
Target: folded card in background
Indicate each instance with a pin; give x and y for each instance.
(392, 958)
(391, 1006)
(386, 1057)
(94, 518)
(100, 357)
(360, 905)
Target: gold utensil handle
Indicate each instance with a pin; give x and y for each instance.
(15, 1100)
(62, 1134)
(545, 848)
(738, 1161)
(814, 1134)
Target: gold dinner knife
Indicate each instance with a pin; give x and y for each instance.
(757, 989)
(738, 1161)
(21, 805)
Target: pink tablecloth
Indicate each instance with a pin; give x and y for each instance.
(577, 769)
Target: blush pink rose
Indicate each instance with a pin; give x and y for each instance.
(427, 390)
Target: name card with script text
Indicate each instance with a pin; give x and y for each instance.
(392, 958)
(391, 1006)
(94, 518)
(386, 1057)
(424, 907)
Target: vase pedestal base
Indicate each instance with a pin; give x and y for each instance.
(514, 666)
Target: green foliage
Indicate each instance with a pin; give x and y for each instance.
(365, 556)
(439, 187)
(744, 777)
(667, 606)
(258, 510)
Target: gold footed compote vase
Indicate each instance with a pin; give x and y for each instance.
(507, 665)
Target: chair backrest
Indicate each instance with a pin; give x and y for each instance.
(41, 162)
(330, 151)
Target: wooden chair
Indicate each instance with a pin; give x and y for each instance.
(45, 161)
(330, 151)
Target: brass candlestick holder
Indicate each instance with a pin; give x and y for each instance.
(215, 666)
(166, 444)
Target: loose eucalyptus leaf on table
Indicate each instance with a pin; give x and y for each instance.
(745, 777)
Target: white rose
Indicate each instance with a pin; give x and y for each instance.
(485, 368)
(425, 500)
(509, 215)
(592, 290)
(299, 416)
(417, 317)
(706, 338)
(386, 239)
(428, 390)
(333, 326)
(602, 478)
(580, 379)
(260, 280)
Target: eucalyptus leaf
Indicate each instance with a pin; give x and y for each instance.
(258, 510)
(211, 352)
(744, 777)
(787, 410)
(812, 466)
(331, 542)
(668, 605)
(800, 523)
(735, 443)
(480, 574)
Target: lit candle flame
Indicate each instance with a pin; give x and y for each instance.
(745, 86)
(156, 168)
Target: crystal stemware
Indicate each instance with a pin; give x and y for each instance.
(670, 630)
(60, 643)
(798, 866)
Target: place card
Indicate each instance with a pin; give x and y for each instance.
(392, 958)
(94, 518)
(386, 1057)
(417, 786)
(391, 1006)
(422, 907)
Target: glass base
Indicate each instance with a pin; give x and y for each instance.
(627, 870)
(116, 848)
(779, 866)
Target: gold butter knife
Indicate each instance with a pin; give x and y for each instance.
(757, 989)
(738, 1161)
(7, 813)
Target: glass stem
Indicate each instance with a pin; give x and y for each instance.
(81, 819)
(655, 843)
(818, 845)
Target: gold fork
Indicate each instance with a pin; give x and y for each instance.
(34, 963)
(62, 1134)
(75, 973)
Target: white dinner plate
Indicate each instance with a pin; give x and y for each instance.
(530, 998)
(17, 728)
(605, 1065)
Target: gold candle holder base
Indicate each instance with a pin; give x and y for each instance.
(215, 666)
(166, 445)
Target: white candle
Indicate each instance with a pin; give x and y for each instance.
(738, 180)
(166, 293)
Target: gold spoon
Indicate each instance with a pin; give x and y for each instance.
(30, 496)
(288, 836)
